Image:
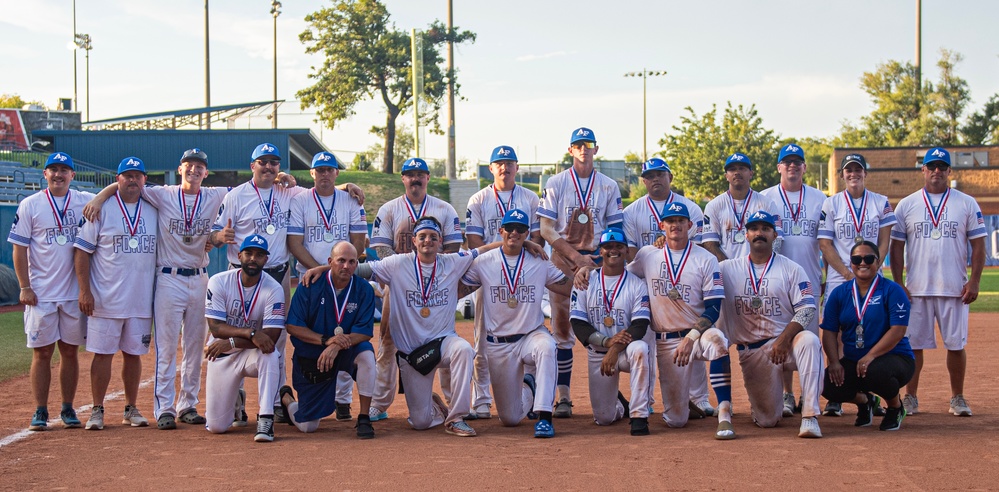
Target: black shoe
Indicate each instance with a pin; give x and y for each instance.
(865, 412)
(265, 429)
(364, 428)
(893, 419)
(879, 411)
(281, 413)
(343, 412)
(624, 401)
(639, 426)
(166, 422)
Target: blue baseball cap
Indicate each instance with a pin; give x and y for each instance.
(612, 235)
(516, 216)
(265, 149)
(791, 149)
(937, 154)
(675, 209)
(582, 134)
(503, 153)
(762, 216)
(131, 164)
(60, 158)
(325, 159)
(415, 164)
(738, 158)
(655, 164)
(194, 154)
(255, 241)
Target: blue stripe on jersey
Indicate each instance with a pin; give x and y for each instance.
(296, 230)
(84, 245)
(18, 239)
(213, 314)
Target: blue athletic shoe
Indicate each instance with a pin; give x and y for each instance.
(544, 429)
(375, 415)
(40, 421)
(529, 381)
(69, 418)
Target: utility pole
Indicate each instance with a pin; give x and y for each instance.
(451, 158)
(208, 73)
(275, 11)
(645, 74)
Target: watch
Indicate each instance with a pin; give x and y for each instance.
(253, 332)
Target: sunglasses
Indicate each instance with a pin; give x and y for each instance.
(269, 162)
(868, 259)
(933, 166)
(580, 145)
(518, 228)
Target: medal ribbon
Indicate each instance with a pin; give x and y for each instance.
(269, 206)
(59, 215)
(675, 272)
(861, 310)
(745, 207)
(609, 302)
(195, 209)
(504, 207)
(424, 289)
(338, 310)
(583, 195)
(935, 212)
(133, 224)
(757, 283)
(857, 216)
(787, 202)
(511, 283)
(326, 216)
(412, 211)
(652, 206)
(242, 302)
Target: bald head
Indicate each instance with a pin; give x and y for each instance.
(343, 263)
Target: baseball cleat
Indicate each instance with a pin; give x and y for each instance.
(96, 421)
(893, 419)
(624, 402)
(166, 422)
(69, 418)
(531, 385)
(265, 428)
(911, 405)
(39, 421)
(343, 412)
(375, 414)
(133, 417)
(959, 407)
(695, 411)
(789, 404)
(639, 426)
(834, 409)
(285, 390)
(543, 429)
(190, 416)
(725, 431)
(563, 409)
(809, 427)
(459, 428)
(240, 418)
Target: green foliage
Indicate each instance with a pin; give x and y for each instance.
(697, 148)
(16, 101)
(817, 154)
(982, 127)
(362, 161)
(404, 148)
(16, 358)
(636, 190)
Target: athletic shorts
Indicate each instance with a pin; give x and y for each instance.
(109, 335)
(49, 322)
(949, 312)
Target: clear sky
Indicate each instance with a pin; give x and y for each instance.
(538, 69)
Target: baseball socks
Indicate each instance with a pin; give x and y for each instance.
(563, 406)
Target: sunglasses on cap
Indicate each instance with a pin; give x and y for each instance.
(579, 145)
(518, 228)
(868, 259)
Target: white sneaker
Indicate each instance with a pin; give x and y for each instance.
(96, 421)
(706, 407)
(133, 417)
(789, 404)
(809, 428)
(482, 412)
(911, 404)
(959, 407)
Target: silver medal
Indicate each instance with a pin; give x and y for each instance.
(328, 237)
(188, 239)
(133, 243)
(338, 330)
(740, 237)
(796, 230)
(935, 234)
(756, 303)
(270, 229)
(61, 240)
(583, 218)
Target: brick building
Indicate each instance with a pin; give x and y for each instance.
(895, 172)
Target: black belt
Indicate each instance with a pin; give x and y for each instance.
(184, 272)
(278, 270)
(669, 335)
(754, 345)
(509, 339)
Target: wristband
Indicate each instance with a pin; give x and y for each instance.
(693, 334)
(325, 339)
(26, 288)
(232, 342)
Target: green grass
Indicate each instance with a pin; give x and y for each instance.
(988, 296)
(16, 358)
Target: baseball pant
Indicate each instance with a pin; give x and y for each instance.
(675, 381)
(365, 361)
(506, 367)
(345, 388)
(283, 277)
(226, 374)
(948, 312)
(48, 322)
(886, 375)
(457, 355)
(480, 377)
(764, 384)
(698, 383)
(387, 366)
(179, 316)
(603, 389)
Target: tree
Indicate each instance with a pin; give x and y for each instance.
(982, 127)
(405, 142)
(949, 99)
(817, 154)
(15, 101)
(367, 57)
(697, 148)
(362, 161)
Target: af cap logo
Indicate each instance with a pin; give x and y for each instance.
(254, 241)
(516, 216)
(675, 209)
(582, 134)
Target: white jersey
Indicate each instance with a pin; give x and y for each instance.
(325, 221)
(38, 225)
(723, 221)
(839, 223)
(641, 223)
(937, 267)
(783, 289)
(631, 303)
(699, 279)
(228, 301)
(491, 274)
(560, 199)
(394, 223)
(257, 211)
(800, 213)
(406, 285)
(185, 221)
(487, 207)
(123, 265)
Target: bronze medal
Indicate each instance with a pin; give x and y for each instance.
(188, 239)
(425, 312)
(858, 239)
(674, 294)
(608, 321)
(512, 302)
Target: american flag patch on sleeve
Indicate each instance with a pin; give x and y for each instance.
(805, 288)
(278, 309)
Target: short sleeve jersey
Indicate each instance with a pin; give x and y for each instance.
(840, 224)
(324, 221)
(121, 276)
(253, 211)
(260, 307)
(591, 305)
(493, 272)
(315, 307)
(39, 222)
(181, 216)
(393, 226)
(937, 267)
(723, 220)
(408, 283)
(641, 219)
(783, 290)
(888, 306)
(699, 279)
(488, 205)
(560, 199)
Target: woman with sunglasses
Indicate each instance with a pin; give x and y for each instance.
(870, 314)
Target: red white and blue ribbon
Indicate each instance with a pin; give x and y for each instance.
(857, 216)
(745, 207)
(59, 215)
(247, 308)
(609, 301)
(133, 224)
(795, 213)
(674, 272)
(504, 206)
(755, 282)
(656, 214)
(326, 216)
(424, 289)
(413, 215)
(935, 212)
(511, 280)
(857, 307)
(195, 209)
(583, 195)
(269, 206)
(338, 310)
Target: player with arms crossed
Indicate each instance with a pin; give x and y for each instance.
(935, 226)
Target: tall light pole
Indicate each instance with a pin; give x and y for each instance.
(83, 42)
(208, 73)
(644, 74)
(451, 157)
(73, 47)
(275, 11)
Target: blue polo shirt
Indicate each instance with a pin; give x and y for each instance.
(888, 307)
(313, 308)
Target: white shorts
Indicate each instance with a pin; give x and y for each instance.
(949, 312)
(49, 322)
(109, 335)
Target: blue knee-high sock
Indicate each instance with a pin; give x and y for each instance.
(720, 373)
(564, 358)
